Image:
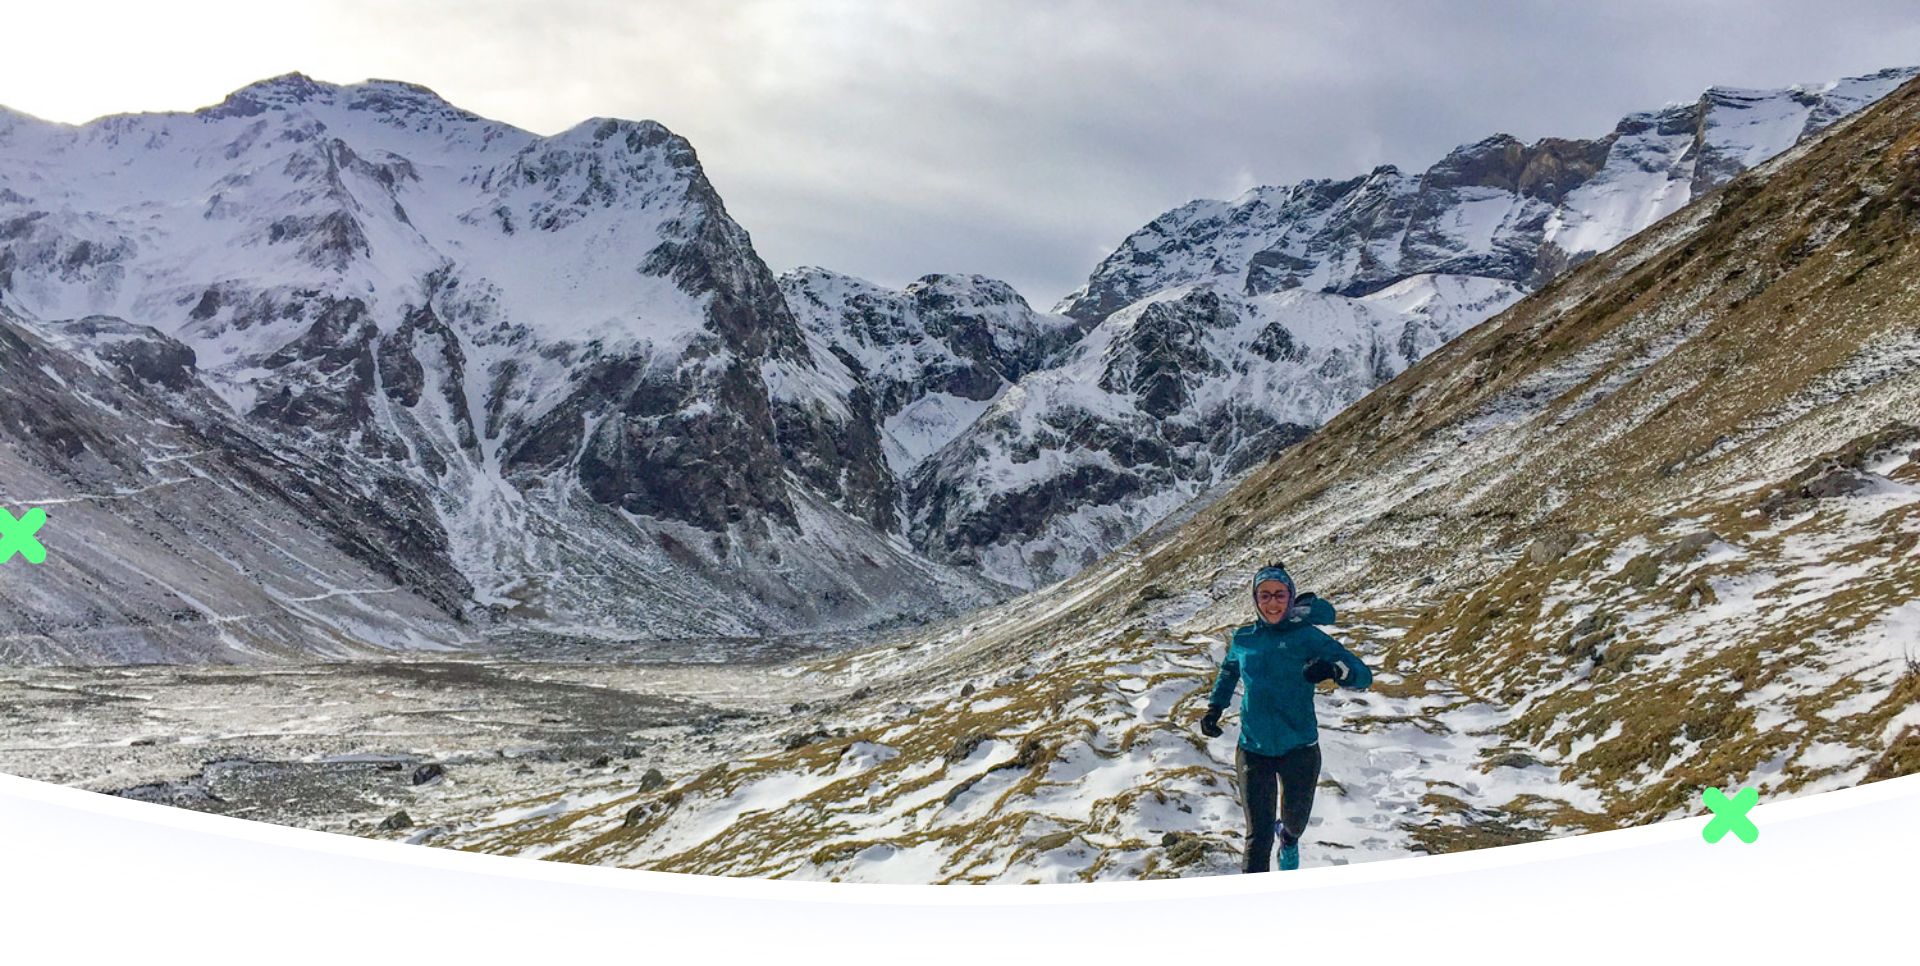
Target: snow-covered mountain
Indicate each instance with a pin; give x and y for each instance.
(925, 360)
(587, 406)
(565, 361)
(1496, 208)
(1651, 529)
(1225, 329)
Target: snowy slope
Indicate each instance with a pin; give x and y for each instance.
(1083, 456)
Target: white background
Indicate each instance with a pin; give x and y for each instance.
(86, 877)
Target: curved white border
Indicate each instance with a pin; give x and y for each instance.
(1828, 871)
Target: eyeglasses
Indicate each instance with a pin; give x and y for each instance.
(1273, 596)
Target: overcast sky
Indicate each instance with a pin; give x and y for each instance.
(1021, 140)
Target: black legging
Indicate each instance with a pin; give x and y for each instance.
(1291, 778)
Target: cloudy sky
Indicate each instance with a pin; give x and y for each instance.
(1021, 140)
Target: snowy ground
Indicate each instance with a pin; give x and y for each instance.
(305, 745)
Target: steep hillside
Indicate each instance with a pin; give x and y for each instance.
(1212, 287)
(174, 533)
(1649, 529)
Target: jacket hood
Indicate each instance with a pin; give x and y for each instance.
(1273, 572)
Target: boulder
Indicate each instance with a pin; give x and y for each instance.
(954, 793)
(1512, 759)
(966, 746)
(1690, 547)
(1549, 548)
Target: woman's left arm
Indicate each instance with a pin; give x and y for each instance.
(1357, 675)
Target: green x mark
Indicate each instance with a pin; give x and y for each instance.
(16, 536)
(1730, 814)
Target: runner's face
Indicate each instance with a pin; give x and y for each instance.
(1273, 600)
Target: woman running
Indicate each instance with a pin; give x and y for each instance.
(1282, 656)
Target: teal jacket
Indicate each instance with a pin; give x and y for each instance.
(1276, 714)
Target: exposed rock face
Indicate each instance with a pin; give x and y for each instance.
(695, 441)
(1158, 403)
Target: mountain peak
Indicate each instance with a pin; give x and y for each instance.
(294, 89)
(955, 288)
(291, 80)
(289, 88)
(1257, 248)
(397, 85)
(635, 134)
(1493, 142)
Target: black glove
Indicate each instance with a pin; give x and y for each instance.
(1210, 725)
(1321, 669)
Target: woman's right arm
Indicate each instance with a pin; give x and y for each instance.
(1226, 680)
